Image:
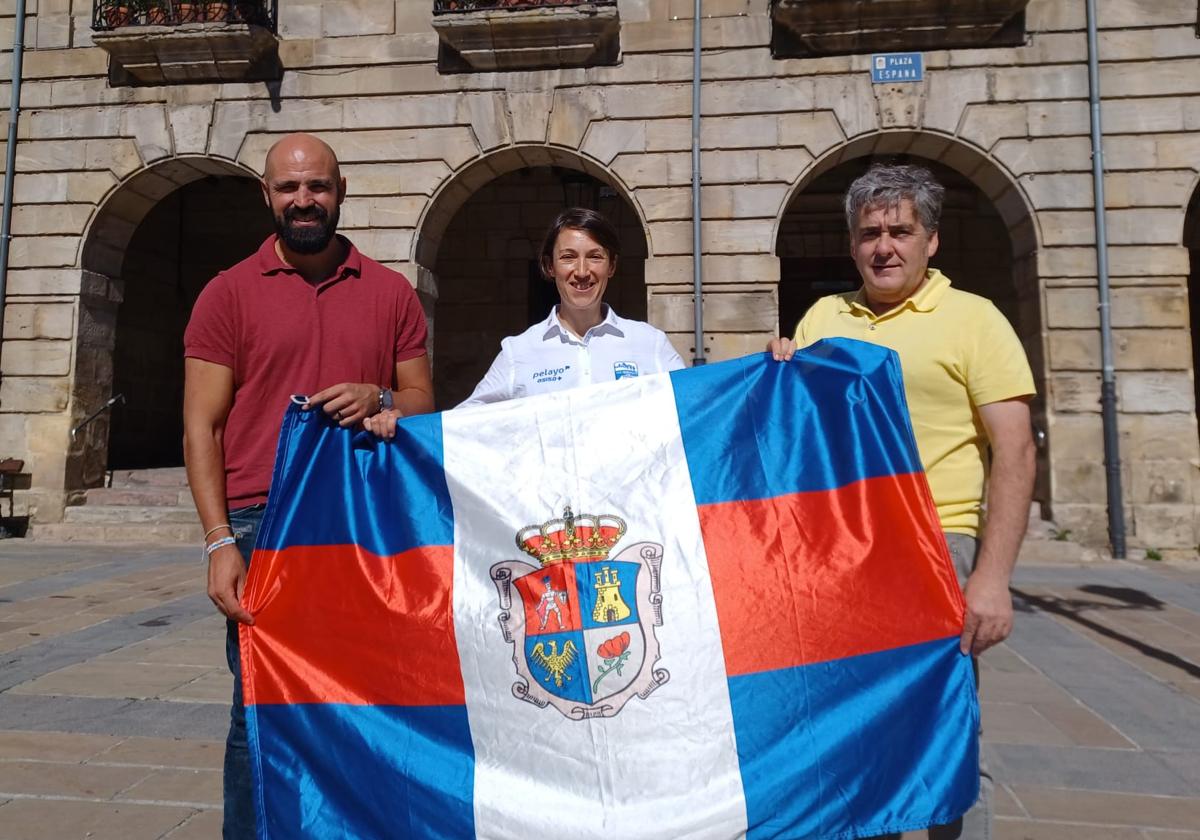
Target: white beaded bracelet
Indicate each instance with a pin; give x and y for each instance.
(221, 543)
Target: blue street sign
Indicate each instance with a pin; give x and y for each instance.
(897, 67)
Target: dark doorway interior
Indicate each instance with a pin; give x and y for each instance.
(189, 236)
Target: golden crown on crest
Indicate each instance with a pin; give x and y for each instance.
(573, 537)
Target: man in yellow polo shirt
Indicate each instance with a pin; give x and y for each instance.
(967, 382)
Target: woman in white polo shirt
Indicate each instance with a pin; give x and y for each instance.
(583, 340)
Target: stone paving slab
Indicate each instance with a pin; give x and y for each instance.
(114, 699)
(31, 569)
(1097, 808)
(1170, 584)
(213, 686)
(196, 788)
(1185, 764)
(1024, 829)
(100, 716)
(90, 781)
(59, 819)
(1116, 689)
(112, 679)
(189, 652)
(206, 825)
(46, 655)
(1128, 771)
(16, 745)
(165, 752)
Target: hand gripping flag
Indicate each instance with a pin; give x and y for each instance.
(709, 604)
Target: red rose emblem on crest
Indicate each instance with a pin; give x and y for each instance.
(614, 652)
(614, 647)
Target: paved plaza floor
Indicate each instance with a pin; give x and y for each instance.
(114, 699)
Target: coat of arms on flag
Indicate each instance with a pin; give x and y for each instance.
(582, 623)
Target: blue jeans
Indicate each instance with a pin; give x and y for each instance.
(238, 786)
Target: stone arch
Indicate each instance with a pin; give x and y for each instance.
(1190, 231)
(148, 249)
(992, 179)
(117, 217)
(461, 185)
(487, 284)
(985, 204)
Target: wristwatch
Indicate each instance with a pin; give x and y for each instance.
(385, 399)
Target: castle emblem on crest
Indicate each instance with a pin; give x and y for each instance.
(581, 623)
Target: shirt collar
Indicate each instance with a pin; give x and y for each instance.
(270, 263)
(555, 328)
(926, 298)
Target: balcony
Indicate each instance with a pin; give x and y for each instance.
(806, 28)
(497, 35)
(156, 42)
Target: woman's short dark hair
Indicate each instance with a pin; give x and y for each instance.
(588, 221)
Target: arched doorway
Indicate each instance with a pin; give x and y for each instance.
(486, 263)
(1191, 241)
(986, 245)
(153, 246)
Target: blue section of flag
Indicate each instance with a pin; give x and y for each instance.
(335, 770)
(878, 737)
(591, 578)
(392, 495)
(756, 431)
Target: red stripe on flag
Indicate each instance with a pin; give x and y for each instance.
(800, 579)
(338, 624)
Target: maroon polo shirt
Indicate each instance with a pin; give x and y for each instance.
(282, 336)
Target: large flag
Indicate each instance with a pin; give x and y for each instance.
(709, 604)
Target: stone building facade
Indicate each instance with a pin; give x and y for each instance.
(129, 195)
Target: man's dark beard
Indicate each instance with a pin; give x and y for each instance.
(307, 240)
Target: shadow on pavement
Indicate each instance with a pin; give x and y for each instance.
(1072, 609)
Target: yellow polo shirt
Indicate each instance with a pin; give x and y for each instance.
(957, 352)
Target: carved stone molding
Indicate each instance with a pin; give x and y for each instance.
(530, 38)
(195, 52)
(840, 27)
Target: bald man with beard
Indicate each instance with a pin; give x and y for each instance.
(306, 314)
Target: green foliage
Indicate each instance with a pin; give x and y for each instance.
(1153, 554)
(1062, 534)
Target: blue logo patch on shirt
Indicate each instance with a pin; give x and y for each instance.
(624, 369)
(551, 375)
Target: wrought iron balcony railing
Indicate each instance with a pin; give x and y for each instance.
(164, 42)
(114, 14)
(448, 6)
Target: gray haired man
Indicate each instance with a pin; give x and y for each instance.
(967, 382)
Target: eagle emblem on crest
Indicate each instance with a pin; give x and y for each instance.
(582, 620)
